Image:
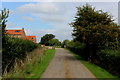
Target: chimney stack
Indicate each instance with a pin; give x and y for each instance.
(23, 29)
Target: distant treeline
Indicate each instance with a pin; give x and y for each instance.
(49, 40)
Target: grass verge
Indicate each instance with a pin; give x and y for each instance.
(96, 70)
(36, 67)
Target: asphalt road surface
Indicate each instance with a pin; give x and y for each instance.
(65, 65)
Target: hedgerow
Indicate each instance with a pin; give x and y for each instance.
(15, 48)
(109, 59)
(76, 47)
(106, 58)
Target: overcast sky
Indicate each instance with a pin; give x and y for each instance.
(40, 18)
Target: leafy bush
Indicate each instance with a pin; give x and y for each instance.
(76, 47)
(106, 58)
(15, 48)
(45, 39)
(110, 59)
(54, 42)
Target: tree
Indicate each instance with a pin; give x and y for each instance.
(75, 46)
(94, 28)
(87, 17)
(45, 39)
(54, 42)
(65, 43)
(3, 19)
(3, 16)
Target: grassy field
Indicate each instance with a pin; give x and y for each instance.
(35, 68)
(96, 70)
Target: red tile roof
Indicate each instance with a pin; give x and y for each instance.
(20, 32)
(33, 38)
(17, 32)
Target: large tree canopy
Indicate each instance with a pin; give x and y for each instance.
(88, 16)
(54, 42)
(92, 26)
(95, 28)
(65, 43)
(45, 39)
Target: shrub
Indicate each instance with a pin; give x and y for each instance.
(15, 48)
(110, 59)
(106, 58)
(76, 47)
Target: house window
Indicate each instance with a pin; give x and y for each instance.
(32, 38)
(17, 31)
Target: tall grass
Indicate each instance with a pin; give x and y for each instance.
(19, 65)
(15, 49)
(33, 66)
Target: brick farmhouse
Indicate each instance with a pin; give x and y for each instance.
(20, 33)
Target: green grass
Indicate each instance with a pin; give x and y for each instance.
(42, 64)
(54, 46)
(35, 69)
(58, 47)
(96, 70)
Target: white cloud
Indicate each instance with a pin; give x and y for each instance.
(48, 12)
(27, 18)
(58, 15)
(10, 24)
(11, 12)
(60, 34)
(111, 8)
(28, 32)
(60, 0)
(43, 8)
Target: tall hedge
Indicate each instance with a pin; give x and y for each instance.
(106, 58)
(76, 47)
(15, 48)
(110, 60)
